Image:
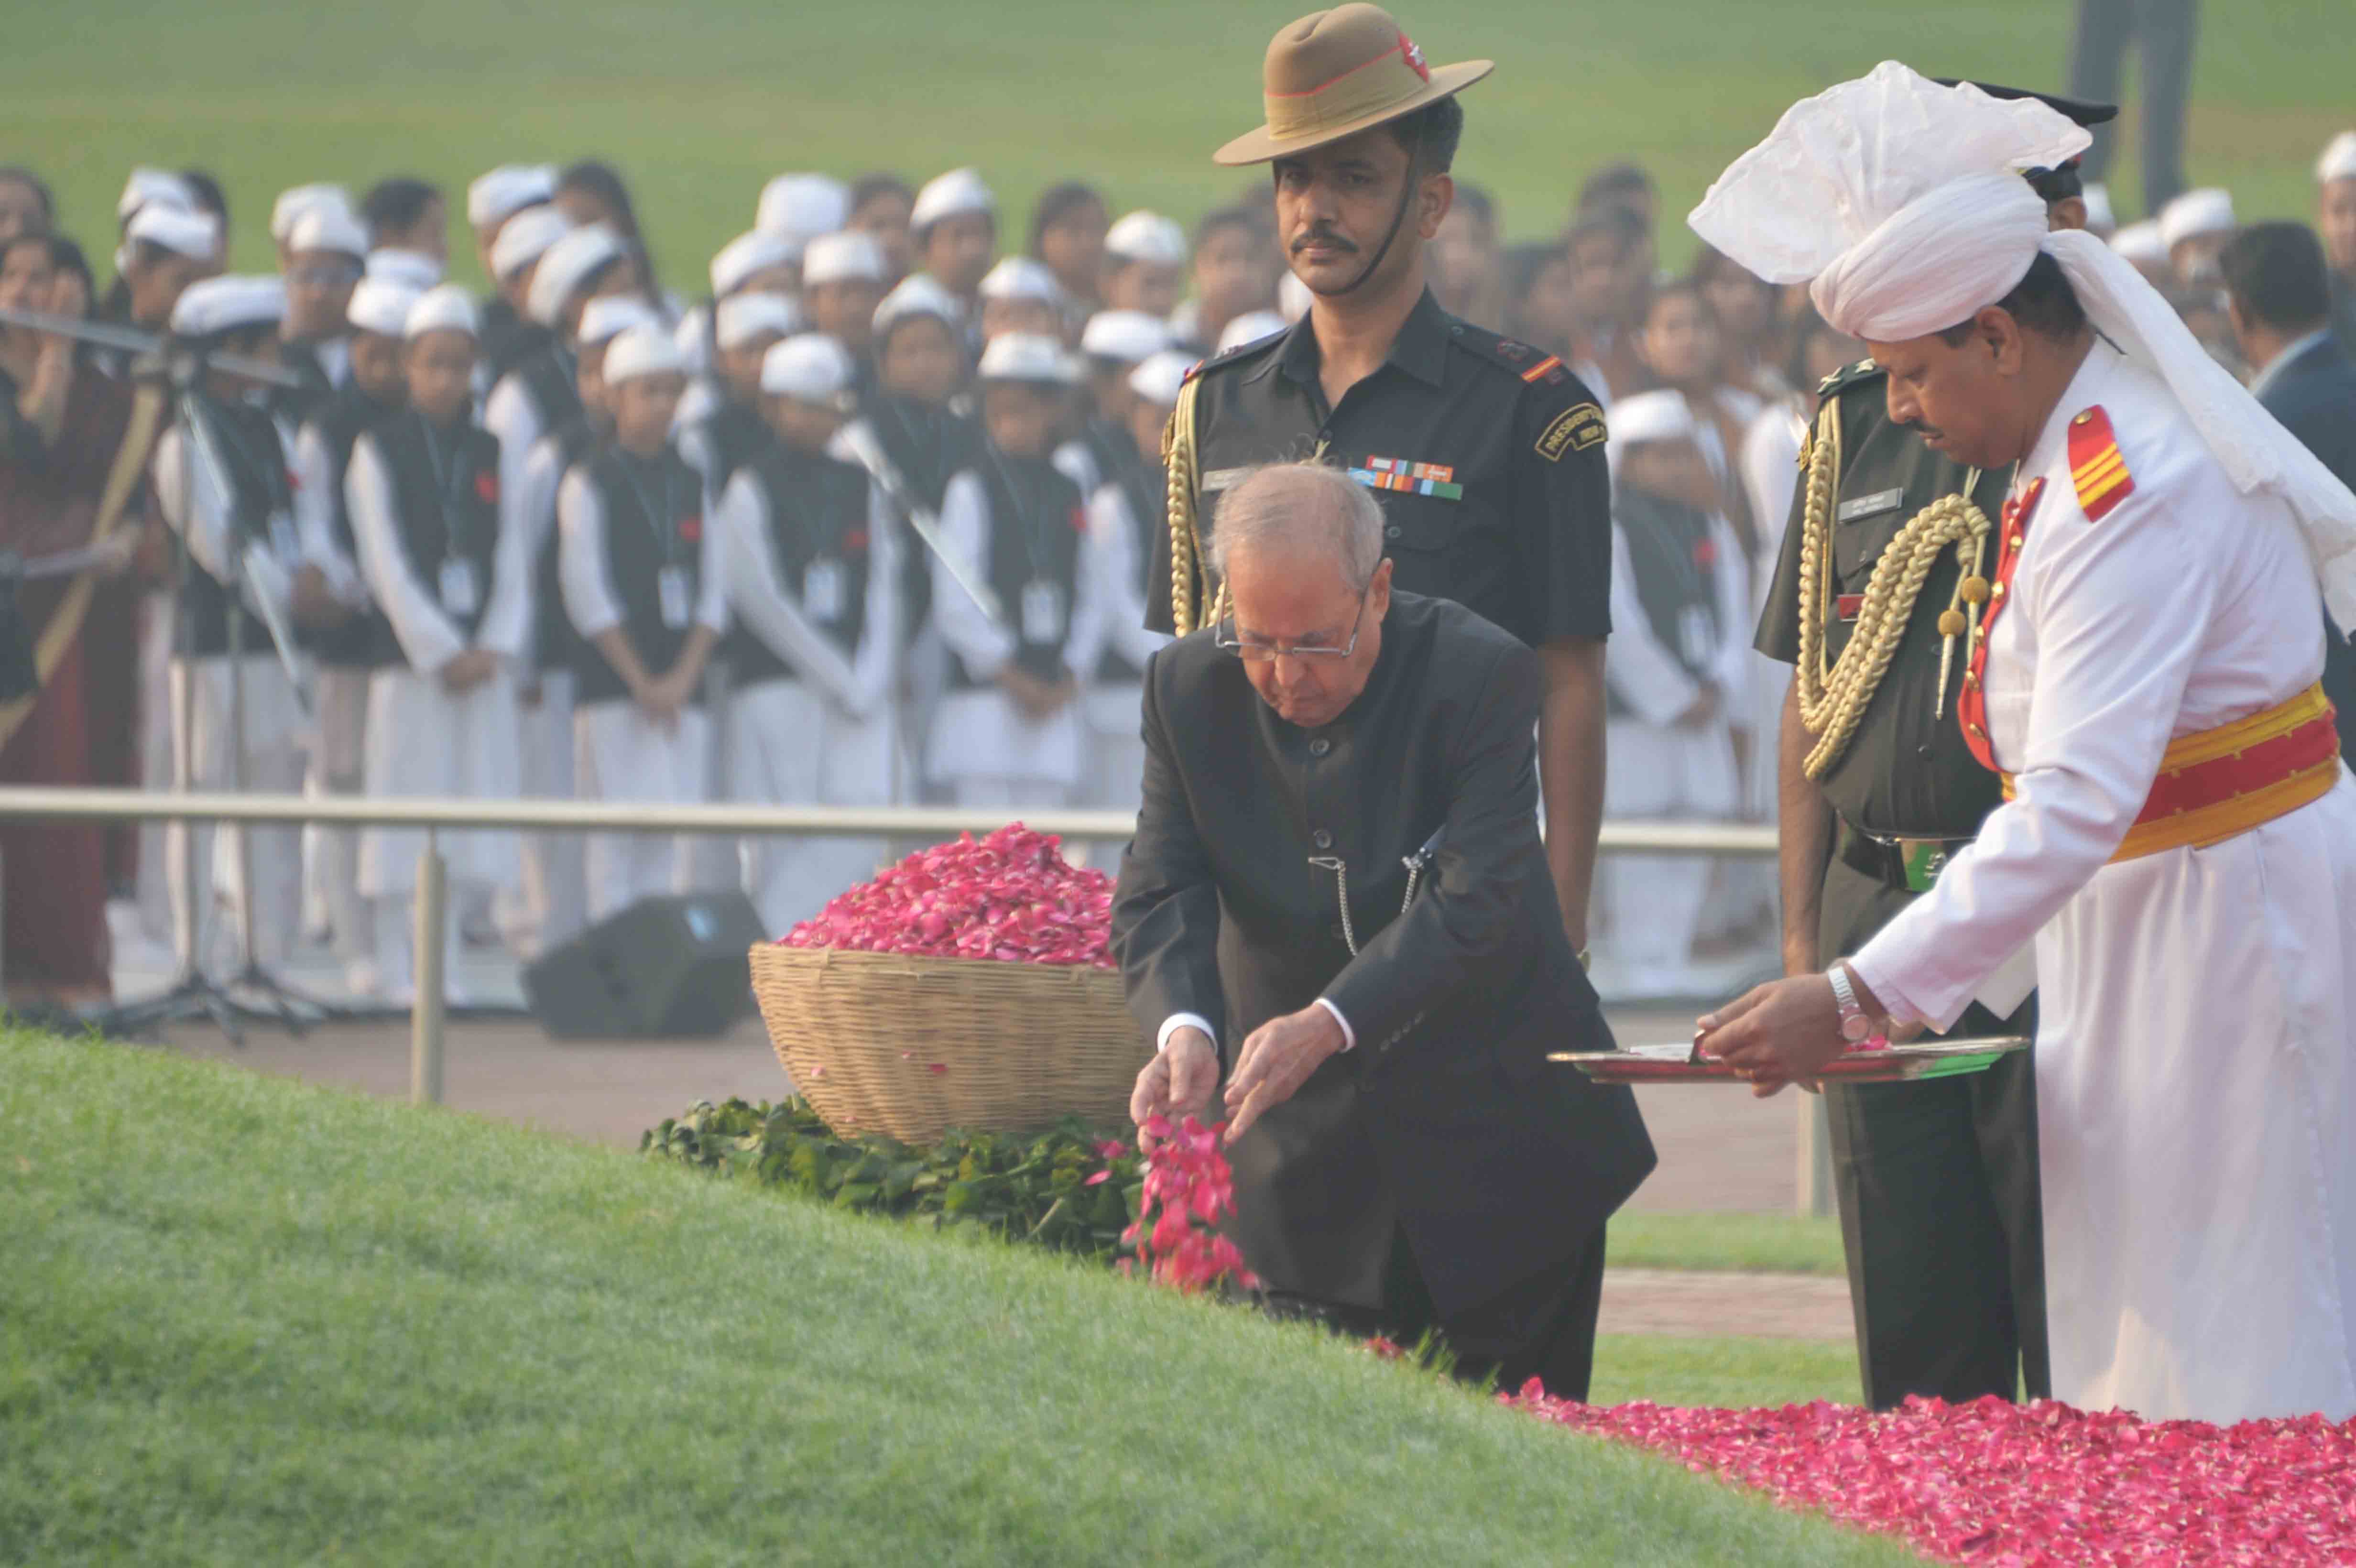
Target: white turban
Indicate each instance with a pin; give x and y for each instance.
(1900, 197)
(2339, 159)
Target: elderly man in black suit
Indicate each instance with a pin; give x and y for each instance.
(2278, 297)
(1337, 898)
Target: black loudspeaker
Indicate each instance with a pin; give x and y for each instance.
(661, 968)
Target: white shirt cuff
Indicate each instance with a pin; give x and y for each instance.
(1177, 1022)
(1349, 1035)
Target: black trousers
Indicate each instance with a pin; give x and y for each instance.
(1542, 1328)
(2162, 32)
(1937, 1181)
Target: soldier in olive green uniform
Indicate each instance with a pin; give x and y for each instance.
(1937, 1179)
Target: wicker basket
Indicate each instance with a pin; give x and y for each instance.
(911, 1047)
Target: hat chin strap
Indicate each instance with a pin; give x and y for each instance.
(1398, 219)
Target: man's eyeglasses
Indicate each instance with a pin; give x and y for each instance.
(1261, 650)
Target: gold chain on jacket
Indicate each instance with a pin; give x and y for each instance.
(1833, 693)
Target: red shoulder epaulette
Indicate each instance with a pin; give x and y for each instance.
(2097, 467)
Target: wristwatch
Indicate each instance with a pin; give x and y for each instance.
(1855, 1027)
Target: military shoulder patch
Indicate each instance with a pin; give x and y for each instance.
(2096, 466)
(1847, 375)
(1534, 366)
(1575, 429)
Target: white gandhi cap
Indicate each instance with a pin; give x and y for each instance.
(448, 308)
(802, 206)
(753, 251)
(845, 257)
(1250, 327)
(643, 351)
(224, 305)
(296, 202)
(508, 188)
(811, 369)
(610, 315)
(1127, 337)
(1027, 357)
(567, 267)
(326, 228)
(381, 306)
(1147, 237)
(196, 235)
(740, 318)
(917, 295)
(415, 268)
(525, 238)
(2209, 210)
(1021, 278)
(2339, 159)
(147, 187)
(946, 196)
(1158, 379)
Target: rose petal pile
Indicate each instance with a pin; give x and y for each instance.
(1188, 1191)
(2022, 1486)
(1012, 896)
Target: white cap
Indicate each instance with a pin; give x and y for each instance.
(692, 335)
(448, 308)
(1130, 337)
(415, 268)
(1292, 297)
(381, 306)
(1027, 357)
(1650, 416)
(222, 305)
(609, 316)
(747, 254)
(155, 186)
(809, 369)
(326, 228)
(1158, 379)
(917, 295)
(566, 266)
(2208, 210)
(1021, 278)
(843, 257)
(946, 196)
(1250, 327)
(2141, 243)
(526, 238)
(196, 235)
(1147, 237)
(508, 188)
(802, 207)
(2100, 218)
(298, 201)
(643, 351)
(740, 318)
(2339, 159)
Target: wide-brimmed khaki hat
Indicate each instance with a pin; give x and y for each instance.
(1335, 73)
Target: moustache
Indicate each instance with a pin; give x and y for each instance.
(1323, 237)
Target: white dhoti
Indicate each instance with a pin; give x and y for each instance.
(1652, 903)
(273, 730)
(789, 746)
(986, 751)
(619, 755)
(1116, 762)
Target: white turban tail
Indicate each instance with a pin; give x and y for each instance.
(1903, 201)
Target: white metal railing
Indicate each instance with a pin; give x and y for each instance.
(436, 815)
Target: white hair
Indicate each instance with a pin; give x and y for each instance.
(1304, 507)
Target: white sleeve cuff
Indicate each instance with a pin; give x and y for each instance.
(1177, 1022)
(1349, 1035)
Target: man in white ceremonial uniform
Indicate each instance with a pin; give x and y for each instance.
(643, 588)
(1674, 671)
(1008, 732)
(554, 892)
(422, 494)
(1119, 512)
(2180, 843)
(221, 474)
(812, 555)
(332, 599)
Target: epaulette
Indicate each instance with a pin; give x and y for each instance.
(1535, 367)
(1847, 375)
(1577, 422)
(1240, 353)
(2096, 466)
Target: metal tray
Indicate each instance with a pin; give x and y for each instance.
(1674, 1063)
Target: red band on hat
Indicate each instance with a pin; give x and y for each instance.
(1410, 53)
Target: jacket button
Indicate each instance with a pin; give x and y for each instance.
(1391, 532)
(1323, 839)
(1320, 746)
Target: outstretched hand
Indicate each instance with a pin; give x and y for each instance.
(1778, 1033)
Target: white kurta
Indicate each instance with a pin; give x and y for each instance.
(2196, 1095)
(340, 700)
(824, 735)
(982, 746)
(555, 898)
(1115, 709)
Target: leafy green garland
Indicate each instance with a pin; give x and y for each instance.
(1069, 1188)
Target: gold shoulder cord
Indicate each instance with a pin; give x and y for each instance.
(1834, 694)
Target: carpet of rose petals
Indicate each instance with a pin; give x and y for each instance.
(1188, 1191)
(2022, 1486)
(1010, 897)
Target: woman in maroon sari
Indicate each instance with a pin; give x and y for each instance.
(63, 431)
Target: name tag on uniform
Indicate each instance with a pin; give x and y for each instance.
(1043, 613)
(1219, 479)
(461, 594)
(285, 543)
(822, 590)
(671, 593)
(1696, 638)
(1866, 506)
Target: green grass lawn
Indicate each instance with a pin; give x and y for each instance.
(246, 1320)
(1728, 1244)
(702, 99)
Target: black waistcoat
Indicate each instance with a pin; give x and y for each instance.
(555, 645)
(356, 642)
(736, 436)
(928, 443)
(1037, 522)
(243, 438)
(1673, 557)
(817, 513)
(445, 495)
(549, 374)
(654, 519)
